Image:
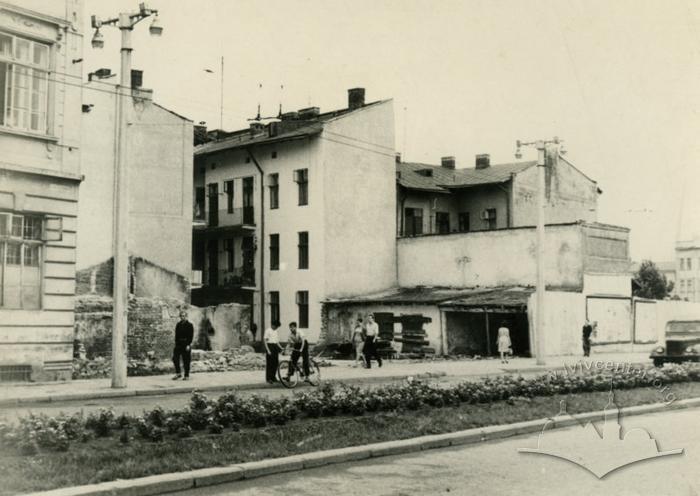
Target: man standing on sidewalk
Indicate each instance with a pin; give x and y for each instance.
(184, 332)
(272, 350)
(586, 336)
(372, 334)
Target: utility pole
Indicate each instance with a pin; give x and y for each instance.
(540, 284)
(125, 22)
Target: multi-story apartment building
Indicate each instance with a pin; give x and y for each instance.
(687, 285)
(296, 211)
(444, 199)
(40, 116)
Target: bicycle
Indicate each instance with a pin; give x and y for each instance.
(314, 377)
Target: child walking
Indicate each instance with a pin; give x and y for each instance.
(504, 343)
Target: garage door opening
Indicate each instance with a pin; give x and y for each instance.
(475, 333)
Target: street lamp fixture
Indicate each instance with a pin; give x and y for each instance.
(155, 29)
(98, 41)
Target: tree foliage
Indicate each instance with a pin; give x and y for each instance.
(651, 283)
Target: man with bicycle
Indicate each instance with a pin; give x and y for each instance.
(300, 348)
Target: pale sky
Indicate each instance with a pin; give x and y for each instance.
(619, 81)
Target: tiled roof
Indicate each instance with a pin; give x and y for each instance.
(441, 179)
(244, 138)
(498, 296)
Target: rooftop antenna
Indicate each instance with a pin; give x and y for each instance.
(279, 115)
(259, 117)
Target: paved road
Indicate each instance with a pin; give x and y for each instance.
(498, 468)
(137, 404)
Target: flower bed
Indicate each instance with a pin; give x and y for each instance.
(232, 411)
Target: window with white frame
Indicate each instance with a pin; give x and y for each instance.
(22, 238)
(24, 83)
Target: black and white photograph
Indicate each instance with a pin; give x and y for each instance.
(349, 247)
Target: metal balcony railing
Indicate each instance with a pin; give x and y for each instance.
(240, 276)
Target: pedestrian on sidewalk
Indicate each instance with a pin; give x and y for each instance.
(586, 336)
(370, 348)
(358, 342)
(271, 339)
(184, 333)
(505, 346)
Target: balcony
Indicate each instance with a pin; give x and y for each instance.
(223, 221)
(239, 277)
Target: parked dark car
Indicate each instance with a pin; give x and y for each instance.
(682, 344)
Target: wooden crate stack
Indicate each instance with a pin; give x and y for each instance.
(413, 337)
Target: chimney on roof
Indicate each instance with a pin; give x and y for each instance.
(398, 157)
(356, 98)
(136, 78)
(448, 162)
(483, 161)
(309, 113)
(256, 127)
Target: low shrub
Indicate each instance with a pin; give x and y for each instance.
(37, 432)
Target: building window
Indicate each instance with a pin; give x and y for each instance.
(274, 306)
(228, 189)
(489, 218)
(248, 255)
(273, 154)
(274, 251)
(199, 208)
(304, 250)
(413, 220)
(248, 210)
(442, 222)
(301, 177)
(228, 248)
(213, 193)
(303, 306)
(24, 80)
(21, 248)
(463, 219)
(273, 184)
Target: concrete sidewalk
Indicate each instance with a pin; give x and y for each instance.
(25, 393)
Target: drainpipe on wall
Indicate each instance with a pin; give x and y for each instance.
(511, 199)
(261, 331)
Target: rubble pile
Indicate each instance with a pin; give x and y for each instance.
(243, 358)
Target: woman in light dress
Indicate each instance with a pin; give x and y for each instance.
(505, 347)
(358, 341)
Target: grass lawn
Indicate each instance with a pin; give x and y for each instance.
(107, 459)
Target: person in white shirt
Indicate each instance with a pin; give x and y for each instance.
(372, 334)
(300, 348)
(272, 348)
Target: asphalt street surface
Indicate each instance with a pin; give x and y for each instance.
(496, 467)
(136, 405)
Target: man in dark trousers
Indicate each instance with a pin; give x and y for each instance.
(371, 337)
(587, 331)
(184, 332)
